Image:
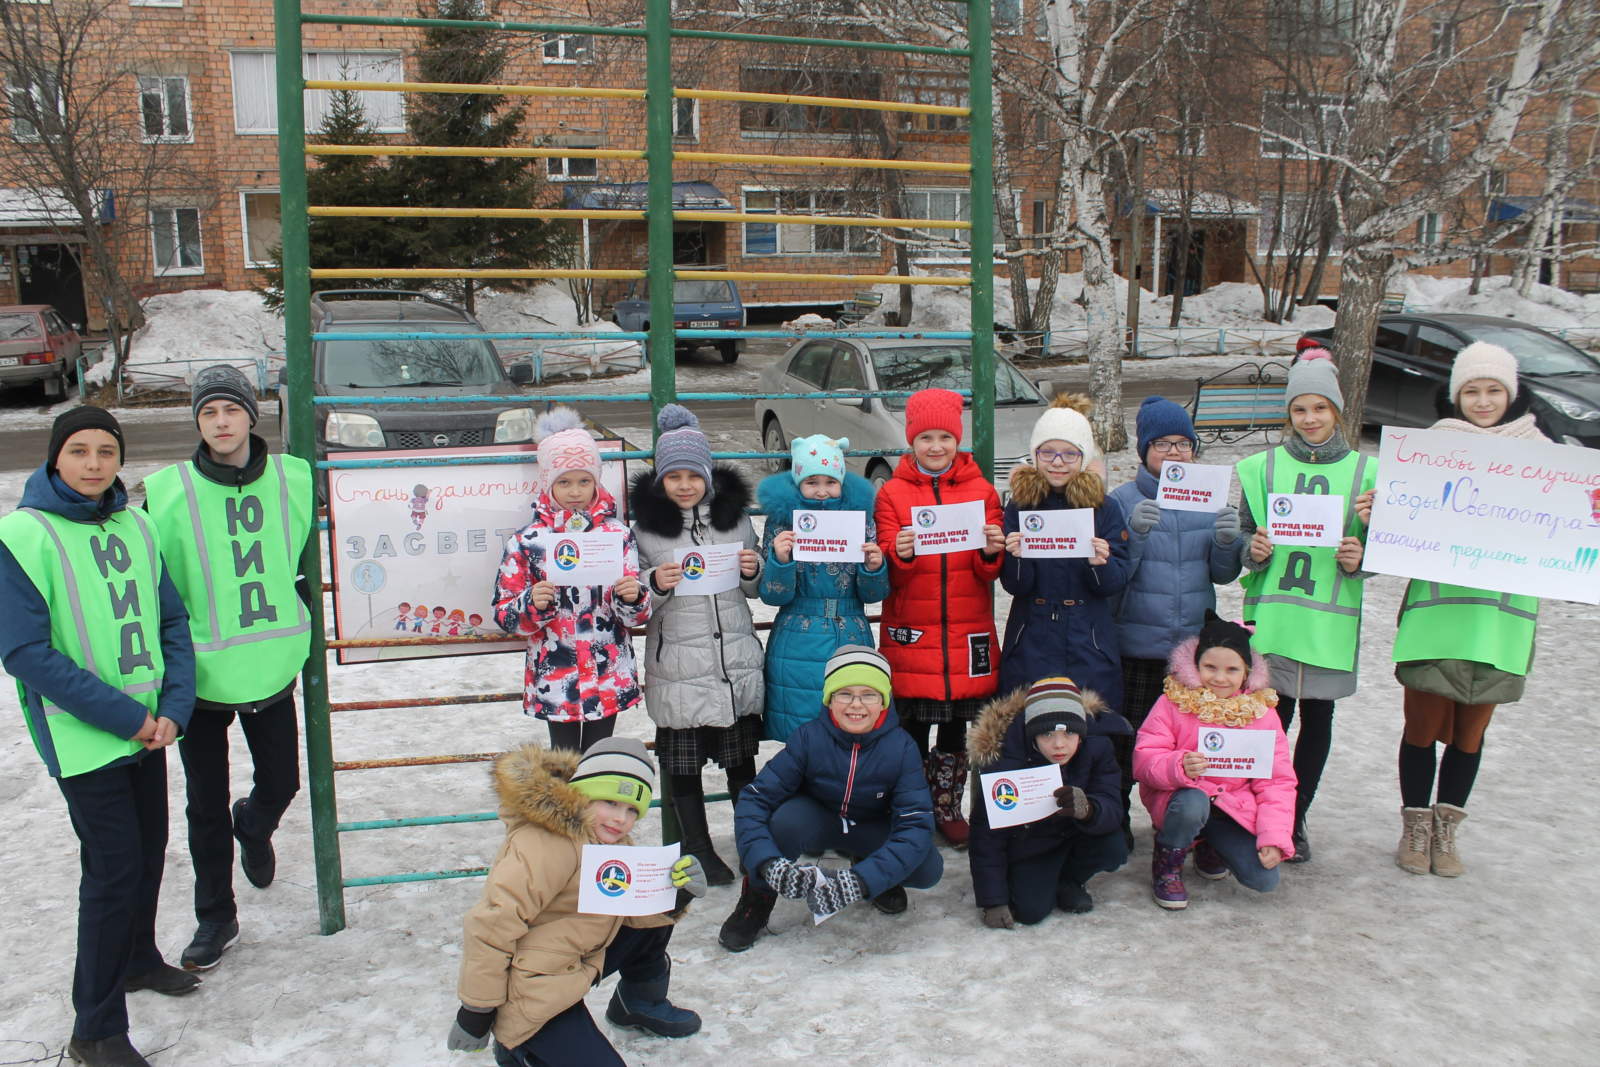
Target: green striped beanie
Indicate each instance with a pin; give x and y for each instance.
(856, 665)
(619, 769)
(1053, 704)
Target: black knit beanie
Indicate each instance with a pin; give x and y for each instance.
(1219, 631)
(223, 381)
(85, 417)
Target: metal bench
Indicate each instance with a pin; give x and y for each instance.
(859, 307)
(1239, 402)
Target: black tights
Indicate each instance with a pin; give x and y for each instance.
(739, 776)
(952, 735)
(1311, 747)
(1457, 771)
(578, 736)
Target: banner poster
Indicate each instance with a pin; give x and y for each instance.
(415, 549)
(1488, 513)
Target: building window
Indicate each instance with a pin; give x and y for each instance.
(571, 169)
(1041, 217)
(263, 229)
(1296, 229)
(1007, 15)
(941, 204)
(1320, 123)
(686, 120)
(1428, 229)
(156, 3)
(35, 106)
(1443, 44)
(568, 48)
(794, 81)
(798, 239)
(164, 109)
(175, 241)
(1319, 25)
(255, 100)
(928, 87)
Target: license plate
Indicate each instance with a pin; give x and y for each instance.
(704, 324)
(10, 361)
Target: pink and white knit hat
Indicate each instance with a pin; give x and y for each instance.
(564, 446)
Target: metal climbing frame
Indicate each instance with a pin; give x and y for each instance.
(659, 156)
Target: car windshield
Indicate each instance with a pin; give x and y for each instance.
(944, 367)
(18, 327)
(693, 292)
(1537, 352)
(404, 363)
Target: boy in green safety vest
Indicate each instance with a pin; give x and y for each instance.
(97, 638)
(233, 521)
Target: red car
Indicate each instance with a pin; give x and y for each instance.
(37, 345)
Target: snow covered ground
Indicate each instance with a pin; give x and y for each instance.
(1351, 961)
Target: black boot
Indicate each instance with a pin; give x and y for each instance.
(1302, 844)
(740, 930)
(256, 856)
(115, 1051)
(891, 901)
(695, 836)
(166, 979)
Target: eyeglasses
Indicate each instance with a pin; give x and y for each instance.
(1069, 457)
(1166, 448)
(866, 700)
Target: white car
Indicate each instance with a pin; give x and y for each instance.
(849, 364)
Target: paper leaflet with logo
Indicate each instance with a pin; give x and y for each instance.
(582, 559)
(1061, 534)
(1011, 798)
(942, 528)
(627, 880)
(707, 569)
(1305, 519)
(1194, 486)
(1233, 753)
(829, 536)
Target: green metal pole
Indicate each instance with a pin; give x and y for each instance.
(658, 213)
(980, 95)
(302, 443)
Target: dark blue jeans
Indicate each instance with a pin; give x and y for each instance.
(802, 825)
(1036, 883)
(572, 1037)
(120, 816)
(1189, 815)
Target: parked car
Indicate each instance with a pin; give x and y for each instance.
(436, 368)
(38, 347)
(1413, 353)
(862, 365)
(696, 305)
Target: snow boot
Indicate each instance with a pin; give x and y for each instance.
(115, 1051)
(1301, 843)
(1073, 898)
(947, 779)
(166, 979)
(1416, 840)
(695, 836)
(644, 1006)
(891, 901)
(211, 940)
(740, 930)
(1166, 876)
(256, 856)
(1442, 851)
(1208, 862)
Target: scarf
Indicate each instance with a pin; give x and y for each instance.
(1241, 709)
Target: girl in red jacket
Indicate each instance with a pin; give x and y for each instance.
(938, 623)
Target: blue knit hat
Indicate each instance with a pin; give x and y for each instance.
(1160, 417)
(817, 454)
(682, 445)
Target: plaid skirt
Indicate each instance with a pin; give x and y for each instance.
(686, 751)
(1142, 683)
(923, 709)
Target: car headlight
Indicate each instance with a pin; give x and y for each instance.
(513, 426)
(352, 430)
(1573, 410)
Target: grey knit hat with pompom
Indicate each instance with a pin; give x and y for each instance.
(682, 445)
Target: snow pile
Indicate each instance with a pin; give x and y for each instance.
(810, 321)
(1545, 306)
(187, 331)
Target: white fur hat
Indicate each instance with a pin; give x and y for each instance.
(1481, 359)
(1063, 423)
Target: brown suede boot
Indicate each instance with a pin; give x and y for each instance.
(1446, 819)
(1416, 840)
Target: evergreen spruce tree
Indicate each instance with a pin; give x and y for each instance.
(478, 120)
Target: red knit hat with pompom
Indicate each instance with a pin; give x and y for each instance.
(933, 409)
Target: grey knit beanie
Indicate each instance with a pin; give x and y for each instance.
(1314, 373)
(223, 381)
(682, 445)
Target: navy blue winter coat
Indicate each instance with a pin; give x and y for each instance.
(821, 606)
(996, 743)
(1173, 572)
(1061, 621)
(872, 777)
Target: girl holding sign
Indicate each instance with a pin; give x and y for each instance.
(1218, 687)
(702, 676)
(1060, 620)
(938, 621)
(1305, 600)
(580, 671)
(1459, 651)
(820, 603)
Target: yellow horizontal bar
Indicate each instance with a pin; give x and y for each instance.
(820, 101)
(495, 90)
(468, 152)
(769, 276)
(453, 272)
(824, 161)
(629, 214)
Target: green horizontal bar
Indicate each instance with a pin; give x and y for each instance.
(447, 820)
(419, 876)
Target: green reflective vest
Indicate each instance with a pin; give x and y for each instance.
(102, 582)
(233, 553)
(1441, 621)
(1305, 607)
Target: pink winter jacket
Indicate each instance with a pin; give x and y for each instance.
(1263, 806)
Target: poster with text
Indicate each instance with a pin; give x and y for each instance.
(1194, 486)
(627, 880)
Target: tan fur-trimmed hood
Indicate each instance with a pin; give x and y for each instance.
(1029, 488)
(535, 784)
(988, 733)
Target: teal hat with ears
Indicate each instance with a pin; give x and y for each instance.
(818, 454)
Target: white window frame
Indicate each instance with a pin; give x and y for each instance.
(1430, 229)
(864, 239)
(1335, 116)
(693, 107)
(564, 173)
(1263, 225)
(166, 117)
(15, 88)
(156, 3)
(384, 110)
(568, 50)
(244, 224)
(924, 210)
(937, 87)
(177, 245)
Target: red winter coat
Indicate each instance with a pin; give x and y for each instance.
(938, 623)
